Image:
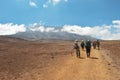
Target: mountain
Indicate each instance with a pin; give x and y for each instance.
(37, 35)
(34, 33)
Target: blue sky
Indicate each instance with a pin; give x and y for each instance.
(97, 18)
(60, 12)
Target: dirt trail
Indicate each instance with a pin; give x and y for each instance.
(93, 68)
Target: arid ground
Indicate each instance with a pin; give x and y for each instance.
(56, 60)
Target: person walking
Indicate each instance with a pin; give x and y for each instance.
(88, 48)
(82, 45)
(98, 44)
(94, 43)
(76, 47)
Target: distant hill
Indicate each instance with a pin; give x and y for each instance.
(5, 39)
(37, 35)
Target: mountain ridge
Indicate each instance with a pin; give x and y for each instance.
(37, 35)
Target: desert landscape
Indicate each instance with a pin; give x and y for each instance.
(56, 60)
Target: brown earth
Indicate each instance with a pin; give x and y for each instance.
(112, 49)
(56, 60)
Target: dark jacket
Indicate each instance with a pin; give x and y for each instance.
(88, 44)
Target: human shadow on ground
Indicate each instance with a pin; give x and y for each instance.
(81, 58)
(93, 58)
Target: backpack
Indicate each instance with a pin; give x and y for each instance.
(75, 46)
(88, 44)
(82, 44)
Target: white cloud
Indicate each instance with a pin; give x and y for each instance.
(116, 23)
(9, 28)
(53, 2)
(66, 0)
(45, 5)
(81, 30)
(33, 4)
(49, 29)
(115, 36)
(105, 32)
(43, 29)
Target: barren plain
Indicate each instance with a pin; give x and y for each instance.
(56, 60)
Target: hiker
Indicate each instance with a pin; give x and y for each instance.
(98, 44)
(85, 41)
(82, 45)
(94, 44)
(88, 48)
(76, 47)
